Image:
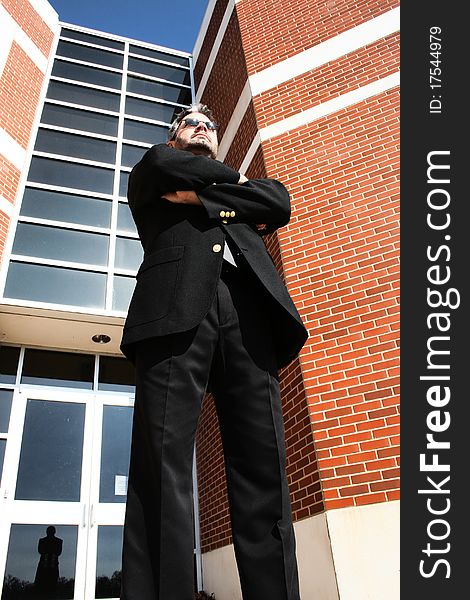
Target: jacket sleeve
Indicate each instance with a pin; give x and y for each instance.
(263, 201)
(163, 169)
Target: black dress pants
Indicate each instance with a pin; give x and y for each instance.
(231, 352)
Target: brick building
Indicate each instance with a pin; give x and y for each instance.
(306, 92)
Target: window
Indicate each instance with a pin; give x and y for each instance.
(69, 144)
(92, 39)
(156, 89)
(159, 70)
(69, 70)
(151, 110)
(131, 155)
(77, 94)
(67, 174)
(88, 54)
(71, 208)
(145, 132)
(159, 55)
(85, 120)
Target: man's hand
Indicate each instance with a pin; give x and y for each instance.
(183, 197)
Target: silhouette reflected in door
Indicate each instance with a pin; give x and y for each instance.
(47, 572)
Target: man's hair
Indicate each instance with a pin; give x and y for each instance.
(198, 107)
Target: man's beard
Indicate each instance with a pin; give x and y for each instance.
(198, 146)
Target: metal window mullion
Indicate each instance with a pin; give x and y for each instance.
(52, 262)
(92, 86)
(156, 100)
(92, 109)
(159, 61)
(85, 63)
(64, 190)
(157, 79)
(73, 159)
(89, 44)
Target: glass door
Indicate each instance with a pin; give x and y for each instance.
(63, 495)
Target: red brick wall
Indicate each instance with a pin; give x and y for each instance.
(20, 88)
(273, 30)
(339, 253)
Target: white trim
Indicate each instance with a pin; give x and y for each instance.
(332, 106)
(250, 154)
(215, 49)
(235, 120)
(6, 207)
(47, 13)
(11, 150)
(332, 49)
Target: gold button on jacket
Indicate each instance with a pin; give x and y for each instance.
(223, 214)
(216, 248)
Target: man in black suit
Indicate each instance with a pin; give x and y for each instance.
(209, 313)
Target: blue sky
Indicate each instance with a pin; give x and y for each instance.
(163, 22)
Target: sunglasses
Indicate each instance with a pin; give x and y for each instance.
(211, 125)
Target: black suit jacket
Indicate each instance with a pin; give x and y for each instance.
(178, 277)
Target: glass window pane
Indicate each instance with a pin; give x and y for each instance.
(73, 118)
(55, 285)
(70, 208)
(155, 89)
(123, 182)
(131, 155)
(3, 444)
(77, 72)
(88, 54)
(116, 374)
(115, 452)
(63, 369)
(40, 562)
(123, 288)
(71, 175)
(151, 110)
(154, 69)
(108, 561)
(76, 94)
(145, 132)
(129, 253)
(92, 39)
(6, 397)
(69, 144)
(44, 241)
(9, 356)
(125, 221)
(51, 451)
(178, 60)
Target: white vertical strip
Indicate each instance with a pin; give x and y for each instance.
(215, 49)
(11, 150)
(6, 207)
(235, 120)
(203, 29)
(332, 49)
(250, 154)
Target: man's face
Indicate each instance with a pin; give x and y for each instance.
(196, 139)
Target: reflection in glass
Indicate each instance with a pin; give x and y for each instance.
(108, 562)
(71, 208)
(151, 110)
(123, 182)
(40, 562)
(6, 397)
(63, 369)
(125, 221)
(9, 356)
(154, 69)
(70, 144)
(84, 120)
(92, 39)
(123, 288)
(51, 451)
(129, 253)
(77, 72)
(145, 132)
(45, 241)
(55, 285)
(178, 60)
(131, 155)
(68, 92)
(115, 452)
(156, 89)
(71, 175)
(88, 54)
(116, 374)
